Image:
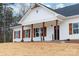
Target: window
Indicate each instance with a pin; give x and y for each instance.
(36, 32)
(75, 27)
(39, 31)
(17, 34)
(44, 31)
(27, 33)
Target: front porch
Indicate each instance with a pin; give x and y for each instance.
(45, 31)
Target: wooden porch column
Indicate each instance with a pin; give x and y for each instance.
(22, 33)
(43, 31)
(32, 32)
(56, 29)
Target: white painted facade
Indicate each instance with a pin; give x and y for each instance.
(64, 29)
(17, 29)
(50, 31)
(41, 14)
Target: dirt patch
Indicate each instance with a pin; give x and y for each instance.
(39, 48)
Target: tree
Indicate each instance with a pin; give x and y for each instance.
(23, 8)
(7, 20)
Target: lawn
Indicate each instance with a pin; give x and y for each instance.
(39, 48)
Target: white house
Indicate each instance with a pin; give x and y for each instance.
(41, 23)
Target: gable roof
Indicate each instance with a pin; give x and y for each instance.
(38, 4)
(48, 7)
(69, 10)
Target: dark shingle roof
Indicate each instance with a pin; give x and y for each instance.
(47, 7)
(69, 10)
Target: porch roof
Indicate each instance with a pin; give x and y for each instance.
(29, 22)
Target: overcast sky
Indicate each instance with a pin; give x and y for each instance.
(16, 6)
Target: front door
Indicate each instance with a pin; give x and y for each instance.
(56, 37)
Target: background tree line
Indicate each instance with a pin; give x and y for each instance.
(7, 19)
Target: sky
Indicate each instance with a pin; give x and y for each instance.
(17, 6)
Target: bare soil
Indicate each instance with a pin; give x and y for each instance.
(39, 48)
